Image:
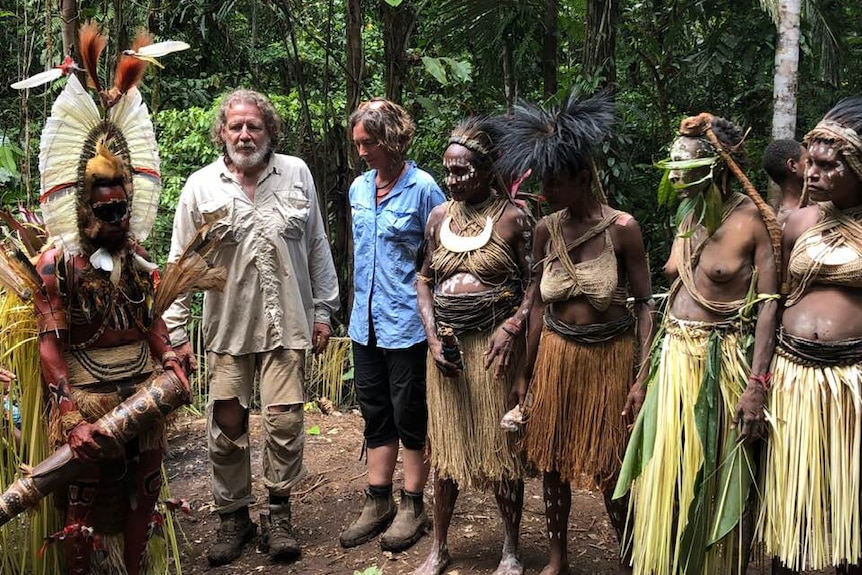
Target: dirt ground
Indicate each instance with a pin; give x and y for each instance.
(331, 497)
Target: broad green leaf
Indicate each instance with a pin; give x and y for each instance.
(712, 209)
(668, 164)
(313, 430)
(394, 3)
(429, 105)
(665, 189)
(462, 70)
(435, 67)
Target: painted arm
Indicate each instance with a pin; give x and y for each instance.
(512, 330)
(425, 296)
(536, 309)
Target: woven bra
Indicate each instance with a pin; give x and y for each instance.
(595, 279)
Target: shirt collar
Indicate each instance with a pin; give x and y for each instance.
(271, 168)
(408, 180)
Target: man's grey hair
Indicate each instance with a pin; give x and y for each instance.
(271, 119)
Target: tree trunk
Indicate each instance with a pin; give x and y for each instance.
(602, 18)
(549, 47)
(398, 24)
(510, 86)
(786, 70)
(69, 27)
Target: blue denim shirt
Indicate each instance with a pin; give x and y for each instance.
(386, 238)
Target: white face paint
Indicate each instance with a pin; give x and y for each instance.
(458, 171)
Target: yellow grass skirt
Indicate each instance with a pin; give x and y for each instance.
(579, 391)
(810, 512)
(467, 443)
(663, 493)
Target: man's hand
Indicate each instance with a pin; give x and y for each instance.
(82, 440)
(320, 337)
(175, 364)
(750, 416)
(187, 357)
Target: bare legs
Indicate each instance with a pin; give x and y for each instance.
(510, 500)
(445, 495)
(558, 502)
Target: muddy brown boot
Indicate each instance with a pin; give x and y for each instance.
(409, 525)
(376, 516)
(235, 530)
(277, 536)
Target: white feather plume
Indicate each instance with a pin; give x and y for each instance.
(73, 115)
(131, 116)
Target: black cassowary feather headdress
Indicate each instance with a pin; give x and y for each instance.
(558, 142)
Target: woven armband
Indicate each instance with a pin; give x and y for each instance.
(763, 380)
(512, 327)
(427, 280)
(69, 420)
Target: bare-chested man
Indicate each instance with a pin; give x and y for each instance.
(812, 468)
(723, 266)
(785, 161)
(471, 285)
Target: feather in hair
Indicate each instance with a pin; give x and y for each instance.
(91, 43)
(557, 141)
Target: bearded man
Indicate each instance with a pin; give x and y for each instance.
(281, 289)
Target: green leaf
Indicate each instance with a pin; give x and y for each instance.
(712, 209)
(429, 105)
(313, 430)
(434, 66)
(394, 3)
(462, 70)
(665, 190)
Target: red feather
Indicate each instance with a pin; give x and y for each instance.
(131, 70)
(91, 43)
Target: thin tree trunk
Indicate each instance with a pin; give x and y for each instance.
(510, 86)
(550, 47)
(602, 18)
(786, 70)
(69, 27)
(398, 23)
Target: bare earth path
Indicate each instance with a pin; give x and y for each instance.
(331, 496)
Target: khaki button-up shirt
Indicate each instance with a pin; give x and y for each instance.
(280, 273)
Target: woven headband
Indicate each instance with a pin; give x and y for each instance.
(471, 145)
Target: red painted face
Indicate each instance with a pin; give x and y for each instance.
(110, 206)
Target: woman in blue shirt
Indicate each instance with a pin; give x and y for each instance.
(389, 204)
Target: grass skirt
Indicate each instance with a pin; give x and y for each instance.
(679, 524)
(811, 503)
(579, 391)
(467, 443)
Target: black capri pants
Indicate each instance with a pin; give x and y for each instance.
(390, 387)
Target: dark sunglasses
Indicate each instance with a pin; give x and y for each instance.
(111, 212)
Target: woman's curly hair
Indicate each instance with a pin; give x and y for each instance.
(387, 123)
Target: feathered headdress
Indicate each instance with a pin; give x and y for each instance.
(81, 138)
(559, 141)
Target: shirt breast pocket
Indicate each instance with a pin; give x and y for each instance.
(401, 226)
(220, 215)
(294, 207)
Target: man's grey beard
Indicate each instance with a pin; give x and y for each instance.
(245, 159)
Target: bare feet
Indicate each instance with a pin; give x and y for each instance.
(555, 570)
(509, 565)
(436, 562)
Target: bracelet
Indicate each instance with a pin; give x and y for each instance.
(763, 380)
(425, 279)
(169, 355)
(69, 420)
